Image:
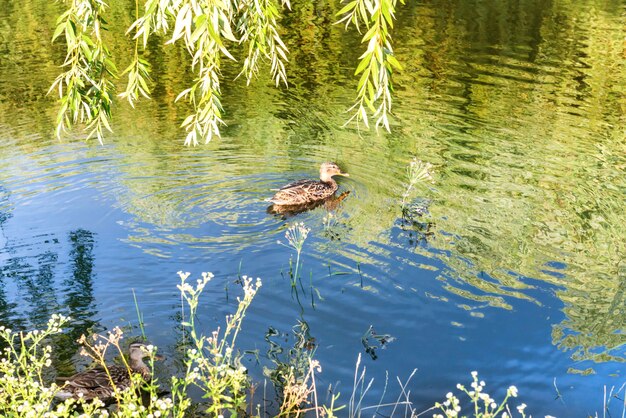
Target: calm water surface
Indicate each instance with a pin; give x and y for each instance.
(515, 268)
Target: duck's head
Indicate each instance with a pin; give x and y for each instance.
(137, 352)
(328, 170)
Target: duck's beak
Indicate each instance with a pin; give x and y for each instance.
(344, 174)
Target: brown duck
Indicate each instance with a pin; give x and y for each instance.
(96, 383)
(303, 192)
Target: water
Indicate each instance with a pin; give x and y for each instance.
(516, 269)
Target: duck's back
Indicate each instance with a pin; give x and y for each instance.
(95, 383)
(303, 191)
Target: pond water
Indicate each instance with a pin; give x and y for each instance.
(514, 268)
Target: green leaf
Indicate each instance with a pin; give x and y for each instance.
(375, 73)
(105, 122)
(363, 116)
(127, 69)
(394, 62)
(364, 63)
(143, 84)
(370, 104)
(227, 31)
(370, 33)
(363, 79)
(225, 52)
(351, 5)
(201, 26)
(183, 19)
(86, 51)
(60, 28)
(188, 120)
(182, 94)
(387, 15)
(70, 33)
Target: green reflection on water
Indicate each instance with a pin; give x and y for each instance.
(520, 106)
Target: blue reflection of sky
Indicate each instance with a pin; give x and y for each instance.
(387, 285)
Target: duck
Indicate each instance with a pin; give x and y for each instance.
(329, 204)
(304, 192)
(97, 383)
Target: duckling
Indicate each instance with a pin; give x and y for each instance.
(96, 383)
(308, 191)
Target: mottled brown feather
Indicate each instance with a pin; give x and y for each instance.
(307, 191)
(96, 383)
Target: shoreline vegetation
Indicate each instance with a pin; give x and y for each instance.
(212, 368)
(213, 381)
(212, 365)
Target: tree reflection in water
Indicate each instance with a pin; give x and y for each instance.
(36, 280)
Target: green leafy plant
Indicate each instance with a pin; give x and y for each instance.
(85, 87)
(482, 404)
(207, 30)
(296, 235)
(377, 62)
(212, 363)
(417, 171)
(293, 375)
(138, 72)
(24, 360)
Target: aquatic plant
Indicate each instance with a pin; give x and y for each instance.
(483, 405)
(25, 359)
(328, 221)
(299, 396)
(292, 374)
(212, 363)
(361, 386)
(417, 171)
(296, 235)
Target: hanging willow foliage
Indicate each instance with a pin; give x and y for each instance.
(85, 86)
(377, 62)
(206, 27)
